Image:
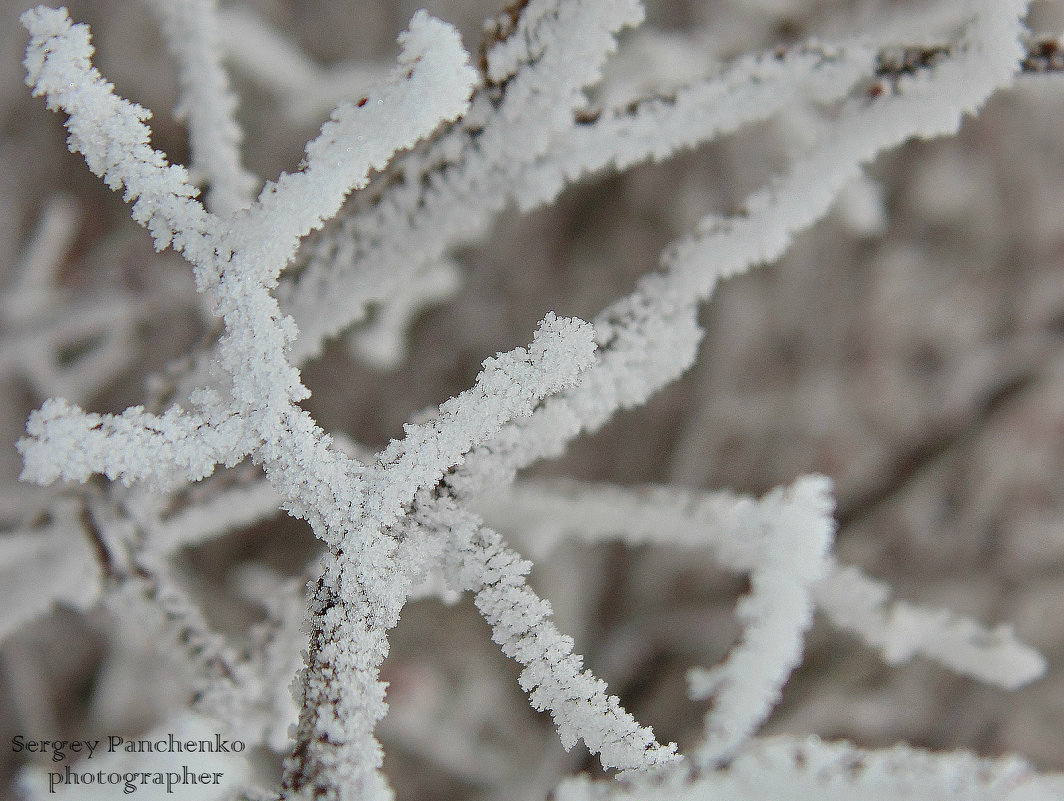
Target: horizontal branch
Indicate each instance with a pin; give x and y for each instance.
(788, 768)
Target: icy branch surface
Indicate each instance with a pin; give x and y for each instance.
(791, 768)
(553, 675)
(418, 162)
(192, 32)
(736, 530)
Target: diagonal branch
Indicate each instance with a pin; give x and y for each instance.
(477, 559)
(649, 338)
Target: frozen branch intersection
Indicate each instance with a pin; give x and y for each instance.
(415, 165)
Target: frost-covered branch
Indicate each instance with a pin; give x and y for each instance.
(48, 566)
(650, 337)
(793, 538)
(223, 682)
(451, 192)
(353, 604)
(382, 342)
(430, 84)
(477, 559)
(208, 105)
(60, 342)
(793, 768)
(506, 389)
(515, 134)
(368, 576)
(927, 104)
(753, 89)
(783, 540)
(307, 89)
(65, 442)
(214, 515)
(460, 195)
(276, 652)
(238, 261)
(900, 630)
(732, 528)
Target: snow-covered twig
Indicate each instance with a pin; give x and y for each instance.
(516, 133)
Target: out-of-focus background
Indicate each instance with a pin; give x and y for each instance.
(910, 346)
